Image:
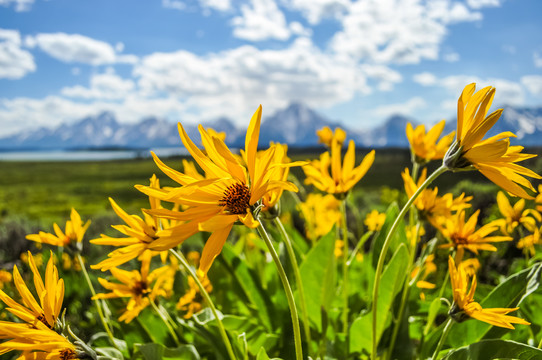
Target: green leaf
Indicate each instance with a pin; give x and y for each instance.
(249, 333)
(391, 283)
(262, 355)
(398, 238)
(495, 349)
(109, 353)
(259, 300)
(159, 352)
(507, 294)
(318, 273)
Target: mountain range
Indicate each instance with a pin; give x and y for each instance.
(295, 125)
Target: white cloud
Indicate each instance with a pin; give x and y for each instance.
(537, 59)
(533, 83)
(451, 57)
(425, 79)
(385, 76)
(409, 107)
(15, 62)
(316, 10)
(234, 82)
(507, 92)
(27, 113)
(261, 20)
(72, 48)
(220, 5)
(20, 5)
(478, 4)
(297, 29)
(102, 86)
(393, 31)
(174, 4)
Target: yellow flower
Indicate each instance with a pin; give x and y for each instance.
(538, 199)
(192, 301)
(321, 212)
(230, 193)
(141, 234)
(432, 207)
(429, 267)
(515, 215)
(326, 136)
(528, 242)
(141, 287)
(424, 146)
(493, 157)
(374, 220)
(5, 277)
(220, 135)
(343, 176)
(73, 235)
(277, 173)
(35, 343)
(40, 314)
(464, 306)
(463, 235)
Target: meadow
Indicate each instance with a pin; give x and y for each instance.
(295, 290)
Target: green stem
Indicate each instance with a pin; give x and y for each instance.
(345, 269)
(406, 292)
(360, 243)
(166, 322)
(287, 290)
(383, 253)
(298, 280)
(96, 301)
(445, 332)
(207, 298)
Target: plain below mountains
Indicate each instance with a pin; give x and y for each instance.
(295, 125)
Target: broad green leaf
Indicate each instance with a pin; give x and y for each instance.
(249, 333)
(391, 283)
(110, 353)
(398, 238)
(262, 355)
(318, 273)
(258, 300)
(507, 294)
(159, 352)
(495, 349)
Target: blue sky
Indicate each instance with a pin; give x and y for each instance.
(191, 60)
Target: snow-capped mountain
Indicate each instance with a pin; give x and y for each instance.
(295, 125)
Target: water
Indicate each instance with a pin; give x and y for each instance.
(88, 155)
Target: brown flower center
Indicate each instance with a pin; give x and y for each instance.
(44, 321)
(460, 240)
(140, 288)
(236, 198)
(68, 354)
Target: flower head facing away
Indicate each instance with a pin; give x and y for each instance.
(424, 146)
(493, 157)
(344, 174)
(464, 306)
(231, 191)
(515, 215)
(140, 286)
(71, 236)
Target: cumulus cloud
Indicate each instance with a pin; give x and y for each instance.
(15, 62)
(385, 77)
(72, 48)
(425, 79)
(261, 20)
(102, 86)
(237, 80)
(533, 83)
(316, 10)
(408, 107)
(478, 4)
(403, 32)
(19, 5)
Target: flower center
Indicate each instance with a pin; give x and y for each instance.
(460, 240)
(68, 354)
(236, 198)
(44, 321)
(140, 288)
